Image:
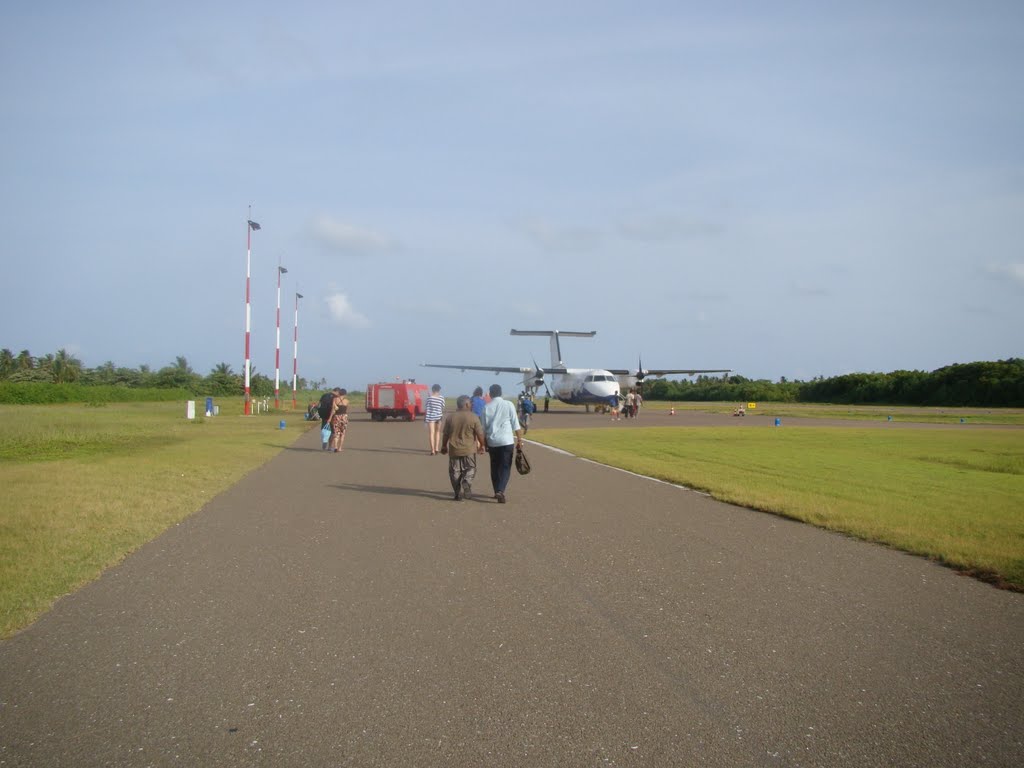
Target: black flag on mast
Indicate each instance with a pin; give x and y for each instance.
(254, 225)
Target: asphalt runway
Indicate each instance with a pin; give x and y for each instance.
(343, 610)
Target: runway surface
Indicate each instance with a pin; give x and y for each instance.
(343, 610)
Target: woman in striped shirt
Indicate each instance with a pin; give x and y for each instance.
(433, 412)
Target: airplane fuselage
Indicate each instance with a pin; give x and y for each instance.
(585, 386)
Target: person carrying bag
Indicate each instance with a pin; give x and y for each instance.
(522, 463)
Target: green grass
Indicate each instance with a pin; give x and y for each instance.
(84, 486)
(952, 495)
(901, 413)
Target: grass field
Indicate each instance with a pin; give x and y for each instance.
(84, 486)
(916, 414)
(955, 496)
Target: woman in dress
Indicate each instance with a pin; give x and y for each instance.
(339, 420)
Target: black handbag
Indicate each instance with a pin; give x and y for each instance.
(522, 463)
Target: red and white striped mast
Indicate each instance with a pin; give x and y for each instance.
(295, 356)
(277, 351)
(252, 226)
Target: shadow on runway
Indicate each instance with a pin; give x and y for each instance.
(393, 449)
(393, 491)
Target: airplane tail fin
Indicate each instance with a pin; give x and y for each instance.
(556, 352)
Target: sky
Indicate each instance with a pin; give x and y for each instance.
(786, 189)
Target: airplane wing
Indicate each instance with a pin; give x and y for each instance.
(494, 368)
(665, 371)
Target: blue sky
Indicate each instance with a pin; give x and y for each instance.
(783, 189)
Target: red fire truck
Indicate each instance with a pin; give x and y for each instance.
(398, 400)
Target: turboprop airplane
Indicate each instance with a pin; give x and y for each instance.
(576, 386)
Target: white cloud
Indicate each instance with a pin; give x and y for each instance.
(343, 313)
(342, 236)
(437, 308)
(809, 290)
(552, 238)
(661, 228)
(1014, 272)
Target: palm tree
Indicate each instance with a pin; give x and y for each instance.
(223, 380)
(6, 362)
(104, 374)
(25, 361)
(178, 375)
(66, 367)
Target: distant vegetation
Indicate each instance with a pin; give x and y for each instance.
(62, 378)
(983, 385)
(28, 379)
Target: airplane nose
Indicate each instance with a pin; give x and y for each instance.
(603, 389)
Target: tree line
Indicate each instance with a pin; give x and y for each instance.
(64, 368)
(982, 384)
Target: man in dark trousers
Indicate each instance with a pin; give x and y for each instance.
(462, 440)
(503, 432)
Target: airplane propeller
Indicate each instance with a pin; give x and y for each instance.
(640, 372)
(533, 379)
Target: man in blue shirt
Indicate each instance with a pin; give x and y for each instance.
(478, 403)
(503, 433)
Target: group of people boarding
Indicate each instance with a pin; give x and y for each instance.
(628, 406)
(477, 426)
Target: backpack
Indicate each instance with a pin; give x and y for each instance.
(529, 407)
(326, 403)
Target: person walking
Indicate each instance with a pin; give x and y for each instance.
(526, 408)
(462, 439)
(339, 420)
(478, 402)
(433, 412)
(325, 410)
(616, 403)
(503, 434)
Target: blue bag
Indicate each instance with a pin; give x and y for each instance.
(325, 434)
